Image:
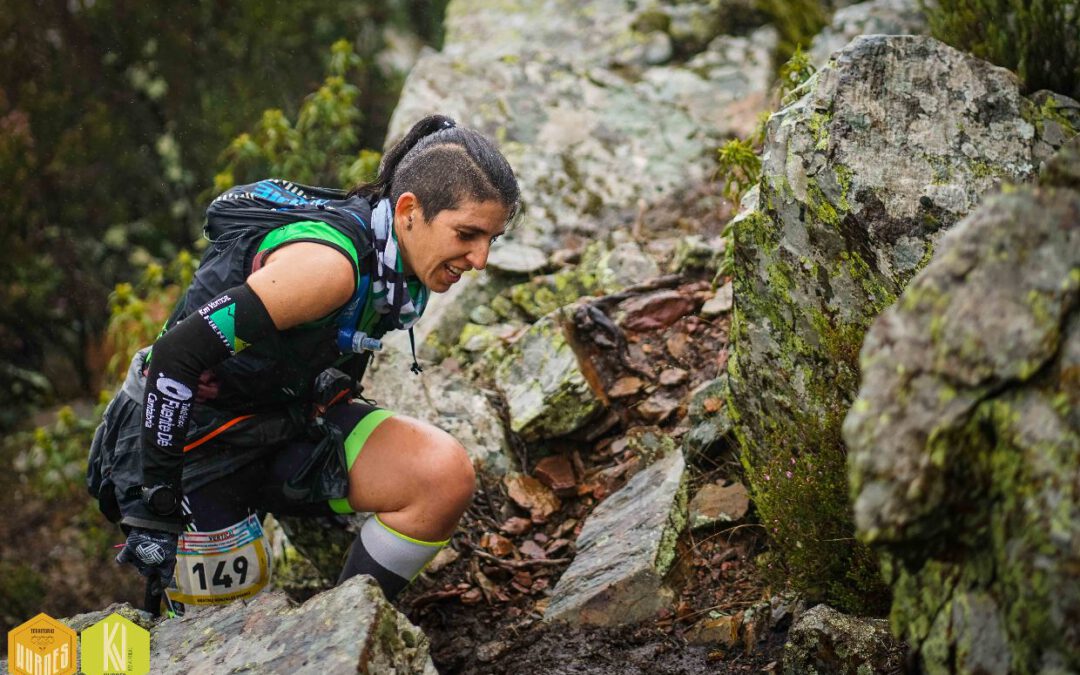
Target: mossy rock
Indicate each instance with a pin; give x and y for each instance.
(965, 441)
(861, 177)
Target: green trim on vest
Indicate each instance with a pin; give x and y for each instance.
(314, 231)
(309, 230)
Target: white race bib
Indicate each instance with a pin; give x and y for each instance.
(214, 568)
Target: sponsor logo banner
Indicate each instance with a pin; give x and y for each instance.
(41, 646)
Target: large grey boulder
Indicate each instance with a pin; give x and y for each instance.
(890, 145)
(446, 400)
(348, 629)
(876, 17)
(624, 551)
(965, 439)
(589, 102)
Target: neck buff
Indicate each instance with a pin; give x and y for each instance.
(394, 293)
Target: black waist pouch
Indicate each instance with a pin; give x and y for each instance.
(324, 475)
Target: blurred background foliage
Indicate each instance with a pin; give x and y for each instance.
(113, 118)
(1037, 39)
(118, 123)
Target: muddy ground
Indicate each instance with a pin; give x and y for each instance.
(482, 602)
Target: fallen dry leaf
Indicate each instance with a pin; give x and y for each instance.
(516, 526)
(531, 549)
(626, 386)
(532, 495)
(557, 473)
(497, 544)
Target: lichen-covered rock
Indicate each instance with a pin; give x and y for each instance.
(892, 143)
(540, 377)
(605, 268)
(624, 551)
(446, 400)
(349, 629)
(965, 439)
(825, 642)
(80, 622)
(590, 102)
(876, 17)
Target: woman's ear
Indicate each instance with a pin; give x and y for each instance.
(407, 207)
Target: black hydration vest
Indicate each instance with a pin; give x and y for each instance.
(280, 371)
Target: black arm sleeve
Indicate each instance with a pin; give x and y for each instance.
(217, 330)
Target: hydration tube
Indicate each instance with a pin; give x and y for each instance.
(349, 339)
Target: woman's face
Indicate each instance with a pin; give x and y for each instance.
(440, 250)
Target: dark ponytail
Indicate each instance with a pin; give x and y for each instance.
(444, 165)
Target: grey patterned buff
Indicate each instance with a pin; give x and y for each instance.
(403, 298)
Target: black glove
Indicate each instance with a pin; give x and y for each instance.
(152, 552)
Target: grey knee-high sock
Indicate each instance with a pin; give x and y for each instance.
(394, 559)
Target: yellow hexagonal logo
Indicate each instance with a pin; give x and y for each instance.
(115, 645)
(41, 646)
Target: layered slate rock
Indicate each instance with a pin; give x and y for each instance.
(890, 145)
(826, 642)
(965, 438)
(597, 108)
(624, 551)
(545, 390)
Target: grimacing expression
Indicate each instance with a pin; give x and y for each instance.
(440, 250)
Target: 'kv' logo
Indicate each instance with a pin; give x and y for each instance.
(114, 654)
(115, 645)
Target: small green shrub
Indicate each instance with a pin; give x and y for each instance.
(793, 74)
(740, 166)
(54, 460)
(138, 312)
(1039, 39)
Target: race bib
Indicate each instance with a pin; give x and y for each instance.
(218, 567)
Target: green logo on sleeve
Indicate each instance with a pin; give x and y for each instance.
(115, 645)
(225, 320)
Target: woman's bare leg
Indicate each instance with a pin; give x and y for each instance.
(418, 480)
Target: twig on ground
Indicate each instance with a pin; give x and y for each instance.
(520, 564)
(654, 284)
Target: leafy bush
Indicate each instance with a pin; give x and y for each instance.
(793, 74)
(138, 312)
(1039, 39)
(320, 148)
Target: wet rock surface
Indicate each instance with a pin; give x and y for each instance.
(351, 628)
(648, 116)
(624, 551)
(890, 145)
(965, 438)
(825, 642)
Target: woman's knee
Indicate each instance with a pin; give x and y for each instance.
(445, 472)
